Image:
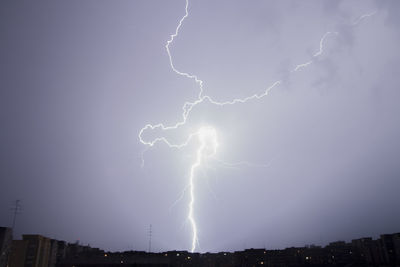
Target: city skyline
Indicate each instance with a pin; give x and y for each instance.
(42, 251)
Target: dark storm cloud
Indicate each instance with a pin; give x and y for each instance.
(79, 79)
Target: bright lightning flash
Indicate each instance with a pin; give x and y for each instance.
(208, 147)
(207, 136)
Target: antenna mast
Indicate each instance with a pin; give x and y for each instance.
(16, 209)
(150, 233)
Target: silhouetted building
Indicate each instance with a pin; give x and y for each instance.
(101, 258)
(5, 245)
(250, 257)
(32, 251)
(53, 253)
(18, 253)
(339, 253)
(389, 245)
(38, 252)
(396, 243)
(61, 250)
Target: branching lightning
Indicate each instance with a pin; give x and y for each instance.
(360, 18)
(207, 136)
(317, 54)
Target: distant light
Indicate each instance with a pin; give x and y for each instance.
(306, 258)
(165, 254)
(224, 254)
(105, 255)
(262, 263)
(188, 258)
(177, 254)
(122, 261)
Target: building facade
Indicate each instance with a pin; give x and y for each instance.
(5, 245)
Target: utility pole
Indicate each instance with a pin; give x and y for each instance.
(150, 233)
(16, 209)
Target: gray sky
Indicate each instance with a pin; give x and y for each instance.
(79, 79)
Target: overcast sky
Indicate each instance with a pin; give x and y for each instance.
(79, 79)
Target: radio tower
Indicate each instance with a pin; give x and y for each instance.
(150, 233)
(16, 209)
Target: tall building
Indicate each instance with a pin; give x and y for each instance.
(389, 244)
(32, 251)
(53, 253)
(61, 250)
(5, 245)
(18, 253)
(38, 252)
(396, 243)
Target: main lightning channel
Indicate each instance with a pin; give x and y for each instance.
(207, 137)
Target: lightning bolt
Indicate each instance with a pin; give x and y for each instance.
(207, 136)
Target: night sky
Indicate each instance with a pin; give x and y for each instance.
(316, 160)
